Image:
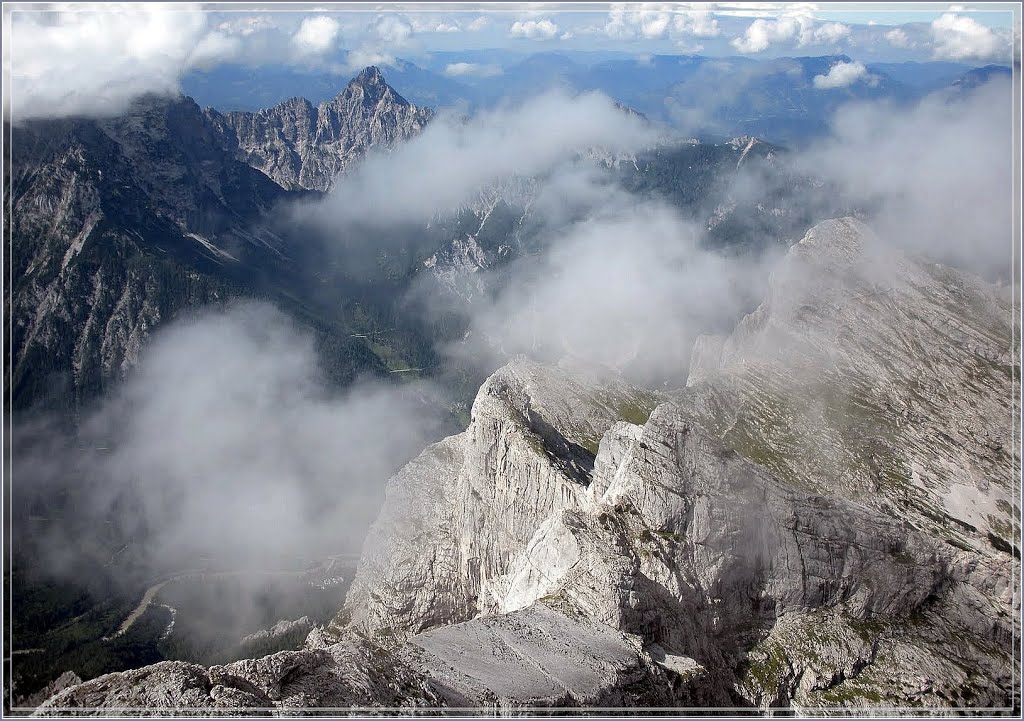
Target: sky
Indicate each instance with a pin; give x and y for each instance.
(82, 55)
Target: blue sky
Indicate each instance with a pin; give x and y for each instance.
(83, 57)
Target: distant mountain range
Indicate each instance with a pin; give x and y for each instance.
(304, 147)
(723, 97)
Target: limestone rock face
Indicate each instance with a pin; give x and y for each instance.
(118, 225)
(305, 147)
(456, 516)
(539, 657)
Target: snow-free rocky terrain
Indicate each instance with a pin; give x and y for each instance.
(824, 518)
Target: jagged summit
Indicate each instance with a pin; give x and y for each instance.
(300, 146)
(370, 75)
(371, 88)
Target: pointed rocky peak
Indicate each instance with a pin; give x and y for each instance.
(369, 86)
(368, 77)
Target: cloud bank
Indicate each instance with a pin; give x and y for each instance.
(92, 62)
(938, 175)
(227, 443)
(623, 283)
(533, 29)
(452, 159)
(799, 29)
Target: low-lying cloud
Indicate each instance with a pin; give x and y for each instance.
(627, 287)
(478, 70)
(227, 443)
(453, 158)
(841, 75)
(938, 176)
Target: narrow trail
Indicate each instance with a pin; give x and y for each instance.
(147, 598)
(152, 591)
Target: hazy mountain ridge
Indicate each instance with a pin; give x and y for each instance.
(775, 99)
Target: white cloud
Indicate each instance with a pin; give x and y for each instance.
(898, 38)
(700, 23)
(479, 24)
(312, 468)
(886, 155)
(215, 47)
(841, 75)
(95, 60)
(963, 38)
(393, 29)
(762, 34)
(360, 58)
(379, 39)
(656, 20)
(452, 159)
(316, 35)
(247, 25)
(430, 24)
(798, 29)
(533, 29)
(829, 33)
(688, 49)
(472, 69)
(654, 25)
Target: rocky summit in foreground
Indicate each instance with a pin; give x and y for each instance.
(824, 519)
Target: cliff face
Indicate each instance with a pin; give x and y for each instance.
(116, 226)
(813, 522)
(300, 146)
(458, 515)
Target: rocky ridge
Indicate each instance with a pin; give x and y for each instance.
(711, 547)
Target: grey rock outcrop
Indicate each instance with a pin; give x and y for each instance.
(300, 146)
(280, 629)
(351, 673)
